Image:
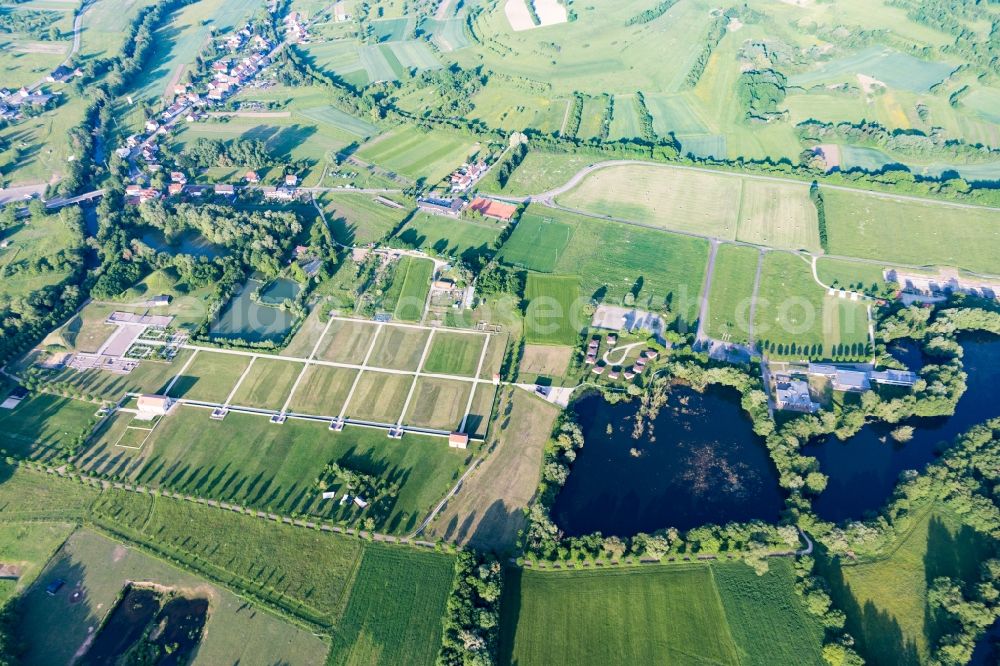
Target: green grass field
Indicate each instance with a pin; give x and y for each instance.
(846, 274)
(438, 404)
(462, 239)
(36, 150)
(554, 314)
(358, 218)
(43, 427)
(537, 242)
(323, 390)
(31, 495)
(102, 566)
(795, 318)
(416, 153)
(407, 295)
(268, 383)
(399, 348)
(709, 614)
(379, 397)
(541, 171)
(908, 232)
(885, 600)
(347, 341)
(28, 546)
(246, 459)
(395, 609)
(778, 215)
(455, 354)
(210, 377)
(732, 291)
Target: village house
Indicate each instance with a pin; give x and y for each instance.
(252, 177)
(793, 395)
(434, 206)
(173, 189)
(225, 189)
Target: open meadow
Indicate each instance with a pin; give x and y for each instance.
(705, 614)
(28, 546)
(417, 153)
(463, 239)
(45, 427)
(360, 218)
(554, 312)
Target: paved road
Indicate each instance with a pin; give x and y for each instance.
(17, 194)
(550, 195)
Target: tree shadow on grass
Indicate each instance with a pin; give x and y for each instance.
(510, 615)
(879, 637)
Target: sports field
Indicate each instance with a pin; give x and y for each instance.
(732, 292)
(537, 242)
(417, 153)
(407, 294)
(554, 313)
(796, 318)
(695, 614)
(462, 239)
(103, 567)
(886, 600)
(910, 232)
(246, 459)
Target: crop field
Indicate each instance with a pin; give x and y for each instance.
(487, 511)
(826, 107)
(358, 218)
(416, 153)
(210, 377)
(44, 426)
(438, 403)
(29, 545)
(446, 237)
(554, 315)
(795, 318)
(537, 242)
(414, 54)
(674, 113)
(448, 34)
(455, 353)
(399, 348)
(625, 119)
(886, 600)
(394, 612)
(342, 57)
(407, 294)
(103, 567)
(910, 232)
(544, 361)
(32, 495)
(710, 614)
(323, 390)
(680, 200)
(732, 291)
(268, 383)
(778, 215)
(247, 460)
(594, 109)
(331, 115)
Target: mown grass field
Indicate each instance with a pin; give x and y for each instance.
(268, 383)
(395, 609)
(379, 397)
(541, 171)
(347, 341)
(778, 215)
(731, 294)
(462, 239)
(910, 232)
(103, 566)
(358, 218)
(438, 403)
(323, 390)
(36, 150)
(795, 318)
(554, 313)
(885, 600)
(857, 275)
(416, 153)
(44, 426)
(708, 614)
(455, 353)
(246, 459)
(407, 295)
(149, 377)
(692, 201)
(537, 242)
(399, 348)
(210, 376)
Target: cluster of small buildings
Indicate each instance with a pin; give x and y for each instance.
(464, 177)
(295, 28)
(614, 372)
(496, 210)
(13, 102)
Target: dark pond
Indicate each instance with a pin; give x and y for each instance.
(186, 242)
(864, 470)
(140, 628)
(703, 464)
(247, 319)
(987, 652)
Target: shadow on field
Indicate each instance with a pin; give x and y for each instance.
(877, 633)
(510, 614)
